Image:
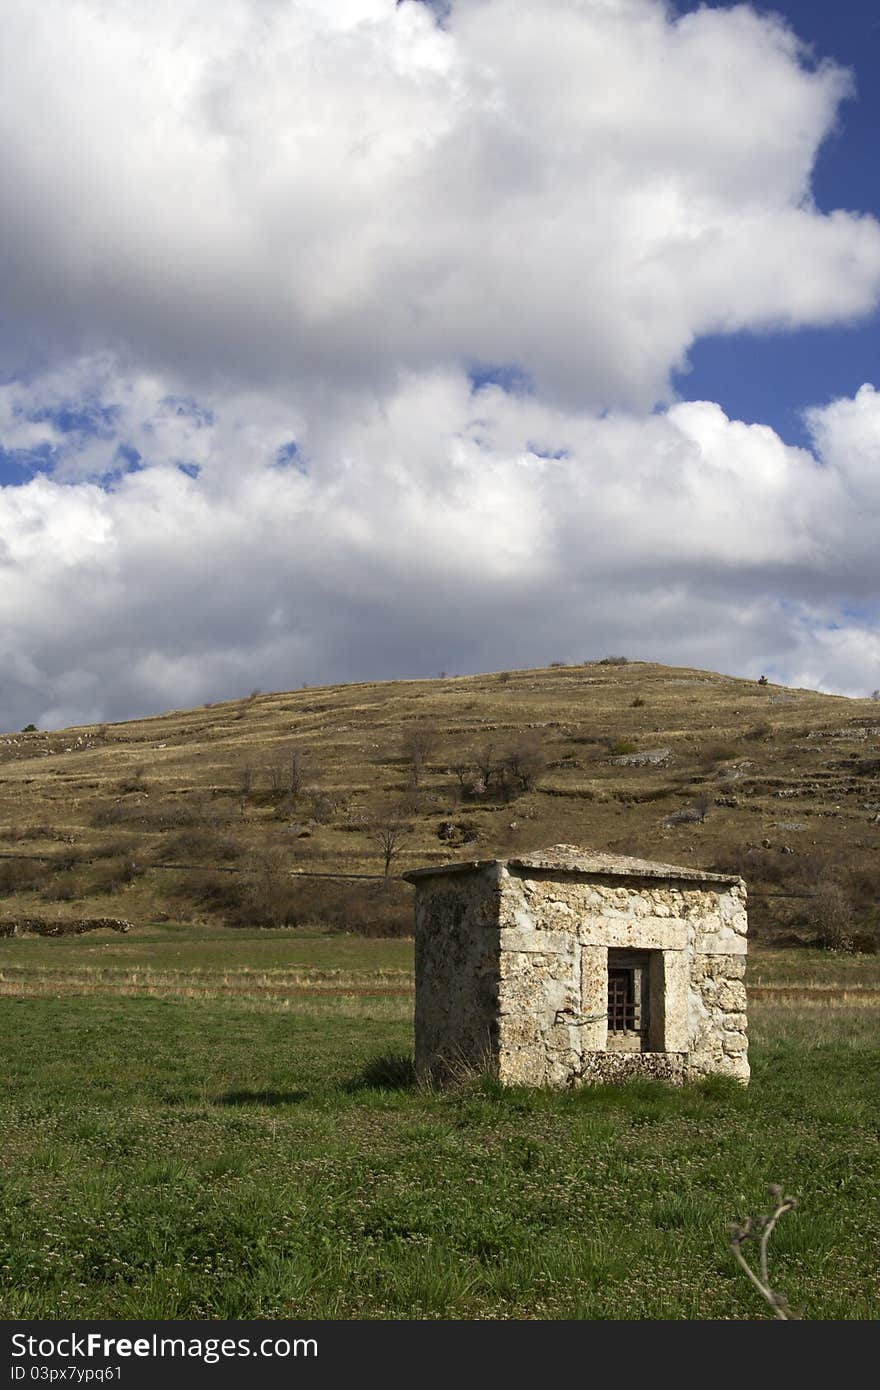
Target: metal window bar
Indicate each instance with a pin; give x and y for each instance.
(623, 1010)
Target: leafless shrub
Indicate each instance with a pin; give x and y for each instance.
(268, 896)
(163, 815)
(711, 754)
(288, 773)
(760, 1229)
(194, 844)
(112, 875)
(321, 805)
(244, 778)
(614, 661)
(759, 732)
(63, 888)
(22, 875)
(832, 916)
(112, 849)
(133, 781)
(382, 908)
(30, 832)
(221, 893)
(619, 747)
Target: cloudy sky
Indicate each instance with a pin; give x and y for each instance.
(346, 339)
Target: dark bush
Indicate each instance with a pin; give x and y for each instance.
(163, 815)
(832, 916)
(215, 892)
(120, 845)
(63, 888)
(22, 875)
(759, 731)
(365, 908)
(195, 845)
(112, 875)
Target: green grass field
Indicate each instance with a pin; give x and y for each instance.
(179, 1142)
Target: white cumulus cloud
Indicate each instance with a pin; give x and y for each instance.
(258, 254)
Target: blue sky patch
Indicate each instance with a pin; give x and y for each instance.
(541, 451)
(507, 375)
(289, 455)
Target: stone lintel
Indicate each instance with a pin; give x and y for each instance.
(635, 933)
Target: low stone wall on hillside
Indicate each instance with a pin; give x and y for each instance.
(71, 926)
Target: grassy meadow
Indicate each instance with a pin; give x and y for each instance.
(199, 1122)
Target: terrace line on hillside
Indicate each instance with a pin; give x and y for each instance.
(567, 966)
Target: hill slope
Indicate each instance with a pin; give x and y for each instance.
(684, 766)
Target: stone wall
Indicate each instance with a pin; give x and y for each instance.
(457, 951)
(60, 926)
(555, 935)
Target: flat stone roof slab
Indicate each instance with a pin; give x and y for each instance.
(574, 859)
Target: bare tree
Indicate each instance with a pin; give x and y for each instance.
(288, 772)
(389, 831)
(417, 745)
(524, 761)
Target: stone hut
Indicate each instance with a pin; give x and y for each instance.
(567, 966)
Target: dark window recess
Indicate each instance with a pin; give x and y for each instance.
(624, 1004)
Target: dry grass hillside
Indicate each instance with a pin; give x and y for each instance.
(251, 811)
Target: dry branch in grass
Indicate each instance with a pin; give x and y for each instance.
(761, 1228)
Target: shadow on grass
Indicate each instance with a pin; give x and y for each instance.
(262, 1098)
(393, 1071)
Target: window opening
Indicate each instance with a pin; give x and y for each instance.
(627, 1001)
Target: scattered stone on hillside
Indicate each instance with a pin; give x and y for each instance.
(790, 825)
(71, 926)
(734, 773)
(648, 757)
(852, 731)
(790, 791)
(726, 801)
(689, 815)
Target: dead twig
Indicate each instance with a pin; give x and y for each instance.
(761, 1228)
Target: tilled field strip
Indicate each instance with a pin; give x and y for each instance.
(28, 982)
(815, 994)
(32, 981)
